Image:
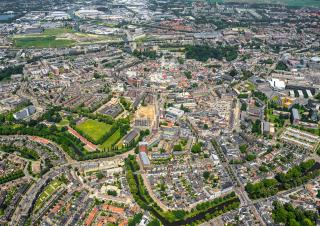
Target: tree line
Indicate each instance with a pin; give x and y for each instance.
(295, 177)
(69, 143)
(24, 152)
(288, 215)
(205, 52)
(7, 72)
(12, 176)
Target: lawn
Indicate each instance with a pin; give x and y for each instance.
(94, 129)
(58, 38)
(48, 39)
(272, 117)
(112, 140)
(250, 86)
(57, 31)
(47, 193)
(42, 42)
(62, 123)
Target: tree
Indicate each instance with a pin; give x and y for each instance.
(112, 192)
(250, 157)
(243, 148)
(154, 222)
(135, 220)
(204, 52)
(196, 148)
(7, 72)
(289, 215)
(233, 72)
(295, 176)
(2, 118)
(206, 175)
(256, 127)
(243, 107)
(188, 74)
(282, 66)
(177, 147)
(100, 175)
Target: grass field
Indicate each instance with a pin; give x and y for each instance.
(47, 193)
(250, 86)
(57, 31)
(47, 39)
(63, 122)
(112, 140)
(272, 117)
(94, 129)
(42, 42)
(59, 38)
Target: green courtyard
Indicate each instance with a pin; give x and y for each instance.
(47, 193)
(112, 140)
(94, 129)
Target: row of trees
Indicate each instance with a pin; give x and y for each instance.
(101, 117)
(205, 52)
(70, 144)
(145, 54)
(125, 103)
(256, 127)
(7, 72)
(24, 152)
(260, 95)
(52, 115)
(296, 176)
(12, 176)
(282, 66)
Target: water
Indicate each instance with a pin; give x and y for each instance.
(4, 17)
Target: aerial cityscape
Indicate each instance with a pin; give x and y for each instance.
(159, 112)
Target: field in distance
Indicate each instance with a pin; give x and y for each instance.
(300, 3)
(59, 38)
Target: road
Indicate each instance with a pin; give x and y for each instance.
(239, 188)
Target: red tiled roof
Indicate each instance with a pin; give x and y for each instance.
(91, 217)
(83, 140)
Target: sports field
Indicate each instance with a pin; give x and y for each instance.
(57, 31)
(59, 38)
(42, 42)
(94, 129)
(112, 140)
(47, 193)
(48, 39)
